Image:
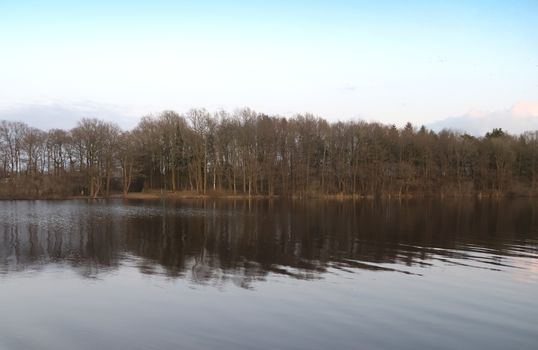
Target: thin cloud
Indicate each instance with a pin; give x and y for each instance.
(349, 88)
(521, 117)
(52, 115)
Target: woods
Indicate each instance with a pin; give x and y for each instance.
(251, 154)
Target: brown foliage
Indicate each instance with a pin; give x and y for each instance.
(246, 153)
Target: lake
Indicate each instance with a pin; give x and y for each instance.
(269, 274)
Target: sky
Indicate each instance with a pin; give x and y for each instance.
(457, 64)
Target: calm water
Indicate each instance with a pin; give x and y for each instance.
(269, 275)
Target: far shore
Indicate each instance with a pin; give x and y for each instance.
(159, 195)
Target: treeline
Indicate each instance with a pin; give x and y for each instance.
(246, 153)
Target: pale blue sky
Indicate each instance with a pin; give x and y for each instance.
(390, 61)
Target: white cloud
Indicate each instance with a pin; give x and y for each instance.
(51, 115)
(525, 109)
(521, 117)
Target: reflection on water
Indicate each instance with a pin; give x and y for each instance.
(269, 274)
(216, 241)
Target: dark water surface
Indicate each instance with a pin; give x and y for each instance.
(265, 274)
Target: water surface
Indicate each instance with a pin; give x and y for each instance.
(269, 274)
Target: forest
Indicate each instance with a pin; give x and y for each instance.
(245, 153)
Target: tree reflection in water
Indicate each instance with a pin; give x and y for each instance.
(222, 241)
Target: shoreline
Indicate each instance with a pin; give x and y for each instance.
(157, 195)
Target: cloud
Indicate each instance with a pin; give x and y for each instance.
(521, 117)
(524, 109)
(349, 88)
(51, 115)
